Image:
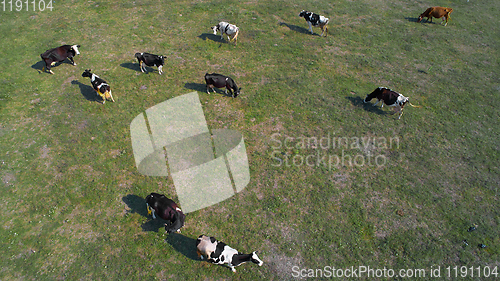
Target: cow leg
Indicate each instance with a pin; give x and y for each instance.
(141, 67)
(376, 103)
(111, 96)
(72, 61)
(310, 27)
(159, 69)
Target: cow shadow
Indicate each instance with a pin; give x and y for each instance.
(137, 205)
(358, 102)
(411, 19)
(86, 90)
(297, 28)
(39, 66)
(212, 37)
(200, 87)
(183, 244)
(137, 67)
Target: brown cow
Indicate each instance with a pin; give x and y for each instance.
(436, 12)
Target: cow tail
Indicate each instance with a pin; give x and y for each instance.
(417, 106)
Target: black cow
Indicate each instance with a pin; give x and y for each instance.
(221, 81)
(150, 60)
(50, 57)
(390, 98)
(219, 253)
(100, 86)
(166, 209)
(315, 20)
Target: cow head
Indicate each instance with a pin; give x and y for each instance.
(87, 73)
(215, 28)
(237, 92)
(303, 13)
(372, 95)
(177, 222)
(75, 48)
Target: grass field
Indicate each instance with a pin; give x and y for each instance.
(72, 204)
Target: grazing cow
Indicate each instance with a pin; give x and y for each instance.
(150, 60)
(390, 98)
(50, 57)
(315, 20)
(166, 209)
(219, 253)
(231, 31)
(100, 86)
(221, 81)
(436, 12)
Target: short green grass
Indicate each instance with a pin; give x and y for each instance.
(72, 200)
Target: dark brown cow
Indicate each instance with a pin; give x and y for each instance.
(166, 209)
(50, 57)
(221, 81)
(436, 12)
(389, 97)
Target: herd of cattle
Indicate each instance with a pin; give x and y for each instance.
(159, 205)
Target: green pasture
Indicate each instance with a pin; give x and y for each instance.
(72, 201)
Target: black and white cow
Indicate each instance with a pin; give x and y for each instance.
(315, 20)
(219, 253)
(101, 87)
(150, 60)
(220, 81)
(230, 30)
(166, 209)
(50, 57)
(389, 97)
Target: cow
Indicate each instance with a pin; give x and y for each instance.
(50, 57)
(436, 12)
(230, 30)
(101, 87)
(218, 252)
(315, 20)
(221, 81)
(165, 208)
(150, 60)
(390, 98)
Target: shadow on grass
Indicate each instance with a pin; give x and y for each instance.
(211, 36)
(358, 102)
(184, 245)
(411, 19)
(200, 87)
(86, 90)
(39, 66)
(297, 28)
(136, 67)
(138, 205)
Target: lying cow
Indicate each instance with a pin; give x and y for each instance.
(165, 208)
(150, 60)
(219, 253)
(100, 86)
(50, 57)
(315, 20)
(436, 12)
(221, 81)
(230, 30)
(390, 98)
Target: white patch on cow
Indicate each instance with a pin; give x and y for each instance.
(92, 79)
(75, 47)
(160, 69)
(255, 257)
(178, 210)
